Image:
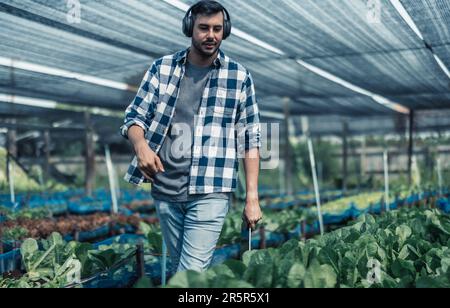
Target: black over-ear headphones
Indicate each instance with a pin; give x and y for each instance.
(188, 23)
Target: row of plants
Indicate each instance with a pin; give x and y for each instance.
(403, 248)
(274, 221)
(287, 220)
(361, 202)
(54, 263)
(280, 222)
(49, 209)
(37, 213)
(22, 228)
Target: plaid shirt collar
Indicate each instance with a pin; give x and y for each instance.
(218, 62)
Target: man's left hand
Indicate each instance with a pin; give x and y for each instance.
(252, 212)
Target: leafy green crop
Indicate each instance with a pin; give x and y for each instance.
(361, 201)
(13, 234)
(37, 213)
(53, 263)
(405, 248)
(279, 222)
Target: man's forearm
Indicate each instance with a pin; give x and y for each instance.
(251, 164)
(136, 135)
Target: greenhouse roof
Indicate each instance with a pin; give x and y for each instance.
(327, 57)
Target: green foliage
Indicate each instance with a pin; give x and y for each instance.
(27, 213)
(12, 234)
(154, 237)
(53, 263)
(324, 153)
(408, 247)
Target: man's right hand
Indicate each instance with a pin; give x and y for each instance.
(148, 162)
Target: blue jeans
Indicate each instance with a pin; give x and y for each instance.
(191, 231)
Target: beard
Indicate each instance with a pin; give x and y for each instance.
(202, 49)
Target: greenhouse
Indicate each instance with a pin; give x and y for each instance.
(353, 171)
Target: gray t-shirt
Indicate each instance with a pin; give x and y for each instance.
(175, 153)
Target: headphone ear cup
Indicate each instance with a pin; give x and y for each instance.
(187, 26)
(226, 29)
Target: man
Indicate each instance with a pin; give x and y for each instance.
(194, 113)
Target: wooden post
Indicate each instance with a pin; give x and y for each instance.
(163, 263)
(410, 145)
(439, 172)
(303, 231)
(386, 180)
(363, 157)
(1, 246)
(344, 157)
(140, 264)
(90, 156)
(76, 236)
(11, 150)
(262, 236)
(288, 153)
(46, 155)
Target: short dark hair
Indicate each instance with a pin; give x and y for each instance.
(207, 8)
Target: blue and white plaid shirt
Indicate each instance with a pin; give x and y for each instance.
(227, 124)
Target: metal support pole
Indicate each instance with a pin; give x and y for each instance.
(305, 128)
(112, 184)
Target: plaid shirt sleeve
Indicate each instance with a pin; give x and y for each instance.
(247, 120)
(141, 110)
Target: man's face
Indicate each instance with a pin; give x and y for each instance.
(208, 34)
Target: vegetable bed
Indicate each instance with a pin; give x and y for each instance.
(404, 248)
(82, 228)
(53, 263)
